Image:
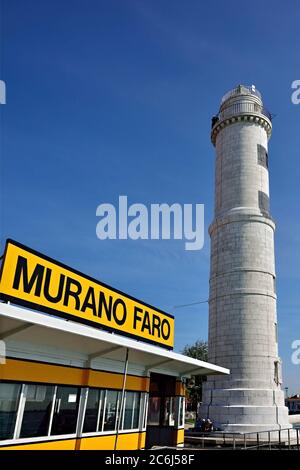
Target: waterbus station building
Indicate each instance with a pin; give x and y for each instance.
(85, 366)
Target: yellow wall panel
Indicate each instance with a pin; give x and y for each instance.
(26, 371)
(180, 436)
(180, 388)
(131, 441)
(68, 444)
(94, 378)
(97, 443)
(40, 372)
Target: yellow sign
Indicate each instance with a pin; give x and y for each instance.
(38, 282)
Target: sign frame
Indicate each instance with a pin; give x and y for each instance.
(69, 316)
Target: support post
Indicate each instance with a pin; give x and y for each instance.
(122, 398)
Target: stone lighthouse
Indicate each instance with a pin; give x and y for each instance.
(242, 300)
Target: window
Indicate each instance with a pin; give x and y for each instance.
(93, 412)
(128, 410)
(111, 409)
(262, 156)
(154, 411)
(131, 410)
(37, 410)
(9, 400)
(43, 410)
(169, 412)
(65, 411)
(277, 372)
(103, 408)
(136, 410)
(263, 202)
(181, 405)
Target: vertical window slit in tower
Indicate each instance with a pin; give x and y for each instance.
(276, 372)
(262, 156)
(263, 202)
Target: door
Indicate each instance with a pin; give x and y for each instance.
(161, 411)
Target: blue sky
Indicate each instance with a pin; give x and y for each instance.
(111, 97)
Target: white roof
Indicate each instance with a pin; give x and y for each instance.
(29, 326)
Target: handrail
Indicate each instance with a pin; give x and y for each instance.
(254, 439)
(240, 109)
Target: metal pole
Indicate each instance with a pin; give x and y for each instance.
(122, 398)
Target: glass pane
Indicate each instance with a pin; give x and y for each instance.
(66, 411)
(136, 414)
(110, 410)
(9, 400)
(128, 410)
(169, 412)
(181, 411)
(154, 411)
(37, 410)
(91, 412)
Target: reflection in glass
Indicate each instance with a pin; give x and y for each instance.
(37, 410)
(9, 400)
(181, 412)
(110, 410)
(66, 411)
(128, 414)
(136, 410)
(169, 412)
(154, 411)
(92, 410)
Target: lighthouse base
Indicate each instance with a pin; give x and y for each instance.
(245, 410)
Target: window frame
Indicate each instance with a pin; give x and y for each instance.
(18, 411)
(135, 395)
(57, 403)
(180, 412)
(101, 401)
(82, 403)
(16, 439)
(144, 415)
(119, 413)
(110, 431)
(22, 409)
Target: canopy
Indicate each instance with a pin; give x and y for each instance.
(20, 327)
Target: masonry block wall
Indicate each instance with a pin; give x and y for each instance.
(242, 300)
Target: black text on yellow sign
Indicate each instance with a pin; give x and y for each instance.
(36, 281)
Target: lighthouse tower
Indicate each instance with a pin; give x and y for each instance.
(242, 300)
